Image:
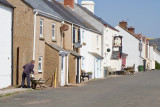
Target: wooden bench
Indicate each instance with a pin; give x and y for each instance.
(111, 71)
(84, 75)
(130, 70)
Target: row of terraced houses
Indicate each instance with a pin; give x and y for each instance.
(66, 37)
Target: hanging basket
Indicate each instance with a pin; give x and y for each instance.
(108, 50)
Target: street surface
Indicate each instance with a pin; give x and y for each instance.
(139, 90)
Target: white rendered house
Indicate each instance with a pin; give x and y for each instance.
(86, 10)
(5, 44)
(91, 52)
(130, 47)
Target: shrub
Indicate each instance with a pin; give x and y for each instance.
(157, 65)
(89, 72)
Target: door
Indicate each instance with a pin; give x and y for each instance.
(62, 71)
(98, 68)
(124, 61)
(5, 46)
(78, 72)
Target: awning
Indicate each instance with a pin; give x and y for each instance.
(124, 55)
(58, 48)
(74, 53)
(96, 55)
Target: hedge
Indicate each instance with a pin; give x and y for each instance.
(157, 65)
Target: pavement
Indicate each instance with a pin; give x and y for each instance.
(12, 90)
(139, 90)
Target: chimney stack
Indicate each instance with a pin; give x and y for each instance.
(131, 30)
(69, 3)
(123, 24)
(89, 5)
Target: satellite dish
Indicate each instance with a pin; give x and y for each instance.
(64, 27)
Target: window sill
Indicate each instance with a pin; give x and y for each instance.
(39, 72)
(83, 43)
(54, 40)
(41, 38)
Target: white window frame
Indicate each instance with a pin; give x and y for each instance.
(53, 29)
(41, 35)
(83, 63)
(97, 42)
(83, 36)
(76, 35)
(41, 63)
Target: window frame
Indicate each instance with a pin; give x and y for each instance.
(53, 29)
(41, 25)
(97, 42)
(40, 62)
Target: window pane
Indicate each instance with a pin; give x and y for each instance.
(53, 25)
(53, 34)
(40, 29)
(41, 22)
(39, 68)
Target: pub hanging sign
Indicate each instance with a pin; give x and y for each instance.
(118, 41)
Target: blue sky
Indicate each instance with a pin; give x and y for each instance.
(144, 15)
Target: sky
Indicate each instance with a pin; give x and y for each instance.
(144, 15)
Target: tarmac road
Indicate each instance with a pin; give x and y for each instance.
(139, 90)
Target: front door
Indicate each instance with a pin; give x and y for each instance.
(62, 71)
(5, 48)
(98, 68)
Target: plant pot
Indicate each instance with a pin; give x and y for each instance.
(90, 76)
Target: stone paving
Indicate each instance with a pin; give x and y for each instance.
(4, 92)
(139, 90)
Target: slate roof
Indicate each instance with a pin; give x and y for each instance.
(4, 2)
(88, 25)
(74, 53)
(115, 55)
(68, 14)
(155, 41)
(42, 6)
(58, 48)
(96, 17)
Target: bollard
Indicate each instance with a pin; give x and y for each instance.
(55, 79)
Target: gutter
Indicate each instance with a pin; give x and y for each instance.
(34, 43)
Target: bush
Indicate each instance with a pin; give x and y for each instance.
(89, 72)
(157, 65)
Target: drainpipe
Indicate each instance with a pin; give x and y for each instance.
(12, 48)
(34, 44)
(67, 68)
(62, 34)
(72, 36)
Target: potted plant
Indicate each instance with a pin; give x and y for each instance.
(90, 74)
